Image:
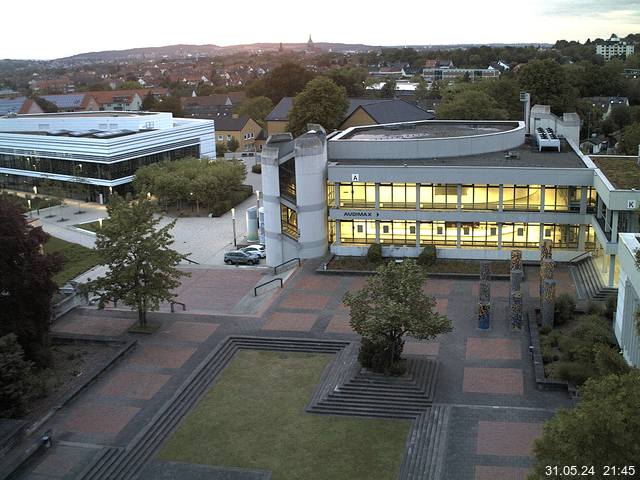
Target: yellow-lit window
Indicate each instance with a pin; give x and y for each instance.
(556, 198)
(361, 232)
(479, 234)
(521, 235)
(398, 196)
(480, 197)
(562, 236)
(521, 197)
(445, 197)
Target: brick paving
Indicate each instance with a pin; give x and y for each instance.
(507, 381)
(486, 377)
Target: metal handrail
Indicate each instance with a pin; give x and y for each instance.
(255, 290)
(583, 254)
(173, 303)
(275, 269)
(190, 261)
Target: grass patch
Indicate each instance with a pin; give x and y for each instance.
(622, 172)
(441, 265)
(36, 202)
(254, 418)
(77, 259)
(92, 226)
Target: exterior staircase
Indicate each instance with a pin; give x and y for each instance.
(586, 273)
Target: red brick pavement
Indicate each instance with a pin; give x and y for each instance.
(96, 418)
(297, 299)
(326, 283)
(163, 357)
(493, 380)
(493, 348)
(339, 324)
(507, 438)
(188, 331)
(59, 461)
(299, 322)
(500, 473)
(498, 289)
(438, 287)
(141, 386)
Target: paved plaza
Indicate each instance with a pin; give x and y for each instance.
(485, 378)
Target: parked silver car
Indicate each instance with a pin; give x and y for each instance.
(238, 257)
(257, 249)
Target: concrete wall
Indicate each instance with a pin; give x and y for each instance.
(568, 126)
(628, 299)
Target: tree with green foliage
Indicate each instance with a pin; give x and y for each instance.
(256, 108)
(388, 90)
(352, 79)
(46, 105)
(15, 372)
(287, 80)
(321, 102)
(26, 282)
(547, 82)
(470, 104)
(603, 429)
(141, 265)
(630, 139)
(391, 305)
(422, 92)
(221, 149)
(233, 144)
(130, 85)
(149, 103)
(171, 104)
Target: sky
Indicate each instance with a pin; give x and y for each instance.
(45, 29)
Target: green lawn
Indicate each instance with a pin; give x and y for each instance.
(77, 259)
(254, 418)
(92, 226)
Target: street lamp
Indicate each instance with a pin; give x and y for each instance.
(233, 221)
(30, 211)
(35, 189)
(100, 222)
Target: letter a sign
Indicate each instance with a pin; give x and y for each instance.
(355, 177)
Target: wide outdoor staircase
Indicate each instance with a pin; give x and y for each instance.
(586, 272)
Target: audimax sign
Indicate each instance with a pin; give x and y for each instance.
(361, 214)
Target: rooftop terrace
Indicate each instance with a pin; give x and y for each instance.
(623, 172)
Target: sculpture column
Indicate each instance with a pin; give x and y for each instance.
(484, 298)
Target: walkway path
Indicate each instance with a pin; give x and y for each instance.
(485, 379)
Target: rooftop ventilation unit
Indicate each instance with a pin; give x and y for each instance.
(512, 154)
(546, 138)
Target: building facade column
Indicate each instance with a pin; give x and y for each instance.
(607, 221)
(418, 234)
(615, 215)
(458, 228)
(459, 203)
(542, 199)
(500, 199)
(612, 270)
(584, 191)
(337, 239)
(417, 196)
(377, 203)
(336, 194)
(582, 237)
(500, 232)
(599, 208)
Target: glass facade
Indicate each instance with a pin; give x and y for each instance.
(562, 236)
(480, 197)
(398, 232)
(560, 199)
(398, 196)
(289, 221)
(438, 197)
(521, 235)
(361, 232)
(521, 197)
(358, 195)
(479, 234)
(84, 169)
(287, 177)
(331, 195)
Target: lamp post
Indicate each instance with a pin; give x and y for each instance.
(30, 211)
(233, 221)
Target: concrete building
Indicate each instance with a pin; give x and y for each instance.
(625, 324)
(474, 189)
(102, 150)
(614, 48)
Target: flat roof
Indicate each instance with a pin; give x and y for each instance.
(104, 113)
(622, 171)
(526, 155)
(428, 129)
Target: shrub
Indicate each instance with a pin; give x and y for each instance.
(608, 361)
(427, 256)
(594, 329)
(547, 353)
(374, 254)
(594, 308)
(573, 372)
(15, 374)
(375, 357)
(611, 307)
(545, 330)
(257, 168)
(564, 308)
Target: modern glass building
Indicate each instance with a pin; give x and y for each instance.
(101, 150)
(474, 189)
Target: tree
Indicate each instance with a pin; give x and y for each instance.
(603, 429)
(422, 91)
(352, 79)
(630, 139)
(287, 80)
(15, 372)
(621, 116)
(547, 82)
(130, 84)
(322, 102)
(388, 90)
(390, 306)
(26, 284)
(149, 103)
(170, 104)
(256, 108)
(46, 105)
(470, 104)
(221, 149)
(233, 144)
(141, 267)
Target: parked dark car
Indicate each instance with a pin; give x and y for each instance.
(238, 257)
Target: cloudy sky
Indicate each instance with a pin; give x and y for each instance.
(45, 29)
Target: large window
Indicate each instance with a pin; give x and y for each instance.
(331, 230)
(479, 234)
(562, 236)
(287, 176)
(592, 200)
(398, 232)
(289, 221)
(398, 196)
(362, 232)
(521, 197)
(357, 195)
(480, 197)
(559, 199)
(590, 238)
(439, 197)
(438, 233)
(331, 195)
(521, 235)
